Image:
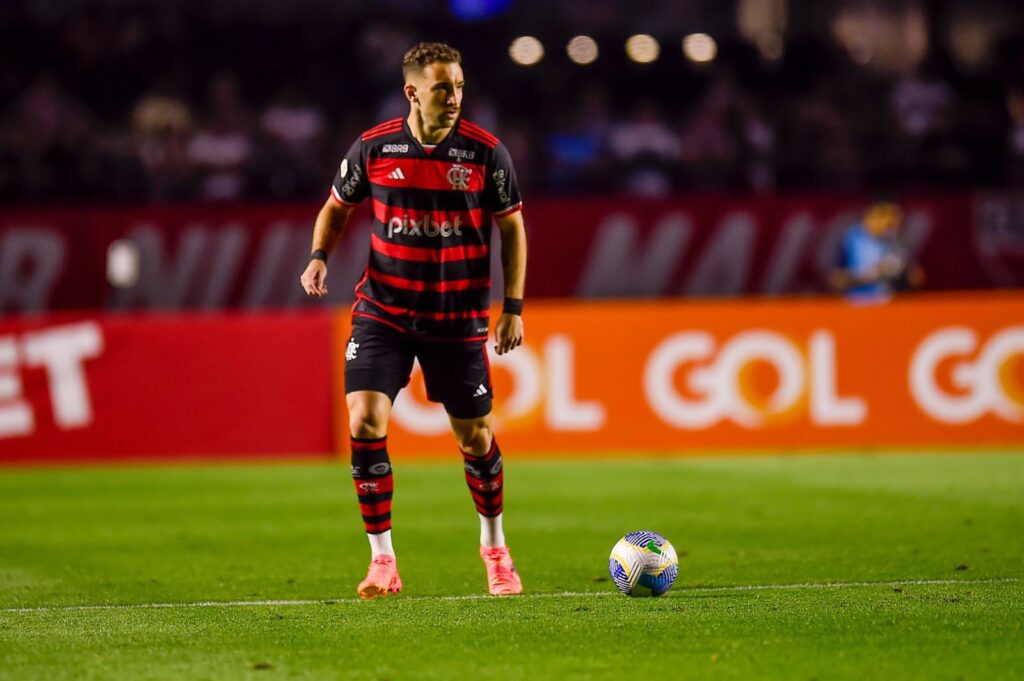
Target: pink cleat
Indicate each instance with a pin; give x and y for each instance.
(381, 579)
(502, 578)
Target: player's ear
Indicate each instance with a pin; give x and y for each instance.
(410, 93)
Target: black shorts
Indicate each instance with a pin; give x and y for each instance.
(457, 374)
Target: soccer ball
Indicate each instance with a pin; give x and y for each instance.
(643, 564)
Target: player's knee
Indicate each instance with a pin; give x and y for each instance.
(476, 440)
(364, 421)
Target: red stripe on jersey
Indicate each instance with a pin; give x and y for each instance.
(436, 316)
(466, 218)
(384, 124)
(479, 138)
(466, 123)
(416, 254)
(439, 286)
(381, 131)
(426, 173)
(476, 132)
(387, 127)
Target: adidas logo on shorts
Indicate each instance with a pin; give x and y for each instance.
(396, 174)
(480, 392)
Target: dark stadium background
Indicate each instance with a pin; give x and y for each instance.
(807, 95)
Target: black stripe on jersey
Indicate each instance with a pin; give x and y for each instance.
(431, 271)
(427, 199)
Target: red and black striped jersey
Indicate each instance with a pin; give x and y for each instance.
(429, 267)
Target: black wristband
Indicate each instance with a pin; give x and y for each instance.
(513, 306)
(319, 254)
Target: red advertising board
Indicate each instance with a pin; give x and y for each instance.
(592, 378)
(212, 257)
(92, 387)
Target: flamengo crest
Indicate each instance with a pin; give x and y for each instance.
(458, 176)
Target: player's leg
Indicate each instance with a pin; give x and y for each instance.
(377, 365)
(485, 476)
(371, 466)
(371, 472)
(458, 376)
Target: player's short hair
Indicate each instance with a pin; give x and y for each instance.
(424, 54)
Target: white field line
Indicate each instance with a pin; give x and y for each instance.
(476, 597)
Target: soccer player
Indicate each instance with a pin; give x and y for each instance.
(434, 181)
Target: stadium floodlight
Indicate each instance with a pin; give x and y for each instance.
(700, 48)
(582, 49)
(526, 50)
(643, 48)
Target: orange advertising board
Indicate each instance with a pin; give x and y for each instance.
(682, 376)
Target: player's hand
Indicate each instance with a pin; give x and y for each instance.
(314, 278)
(508, 335)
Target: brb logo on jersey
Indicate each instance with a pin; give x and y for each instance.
(458, 176)
(953, 388)
(395, 149)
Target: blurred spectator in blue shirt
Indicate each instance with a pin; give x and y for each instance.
(873, 261)
(577, 148)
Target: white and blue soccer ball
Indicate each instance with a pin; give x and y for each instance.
(643, 564)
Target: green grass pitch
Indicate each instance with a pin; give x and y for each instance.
(857, 566)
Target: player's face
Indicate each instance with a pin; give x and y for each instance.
(439, 93)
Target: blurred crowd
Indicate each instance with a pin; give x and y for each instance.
(153, 105)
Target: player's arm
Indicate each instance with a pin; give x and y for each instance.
(329, 226)
(508, 334)
(349, 188)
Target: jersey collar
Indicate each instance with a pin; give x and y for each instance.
(442, 143)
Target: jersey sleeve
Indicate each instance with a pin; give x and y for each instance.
(501, 193)
(351, 184)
